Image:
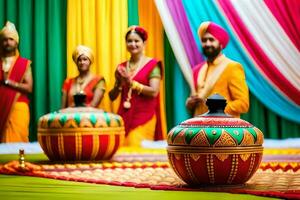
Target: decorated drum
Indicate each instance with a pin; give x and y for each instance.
(80, 133)
(215, 149)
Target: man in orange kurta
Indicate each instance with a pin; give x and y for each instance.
(218, 74)
(15, 84)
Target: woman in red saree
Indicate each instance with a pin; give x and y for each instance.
(138, 82)
(85, 83)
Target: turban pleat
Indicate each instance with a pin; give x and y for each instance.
(217, 31)
(82, 50)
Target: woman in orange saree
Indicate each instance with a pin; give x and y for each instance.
(91, 85)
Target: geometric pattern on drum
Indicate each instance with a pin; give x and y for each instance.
(200, 139)
(234, 168)
(80, 120)
(260, 136)
(212, 121)
(192, 170)
(225, 140)
(215, 136)
(180, 139)
(248, 139)
(245, 156)
(80, 147)
(170, 134)
(222, 157)
(215, 131)
(173, 133)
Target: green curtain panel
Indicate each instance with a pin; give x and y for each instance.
(272, 125)
(133, 12)
(42, 29)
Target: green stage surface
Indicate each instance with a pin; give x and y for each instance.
(22, 187)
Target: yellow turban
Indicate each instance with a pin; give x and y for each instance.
(82, 50)
(9, 30)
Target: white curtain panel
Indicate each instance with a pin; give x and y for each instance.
(175, 42)
(270, 36)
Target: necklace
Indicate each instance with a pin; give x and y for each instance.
(81, 82)
(132, 72)
(132, 69)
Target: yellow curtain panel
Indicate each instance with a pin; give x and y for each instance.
(101, 25)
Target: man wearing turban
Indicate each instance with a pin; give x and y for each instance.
(86, 83)
(218, 74)
(15, 84)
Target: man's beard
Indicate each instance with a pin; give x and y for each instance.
(9, 49)
(211, 52)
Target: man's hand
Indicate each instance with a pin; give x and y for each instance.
(193, 101)
(4, 80)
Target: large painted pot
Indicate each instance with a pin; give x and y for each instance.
(80, 133)
(215, 149)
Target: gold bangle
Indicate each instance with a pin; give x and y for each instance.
(134, 85)
(141, 87)
(137, 86)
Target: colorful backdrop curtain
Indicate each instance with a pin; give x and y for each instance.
(182, 18)
(50, 30)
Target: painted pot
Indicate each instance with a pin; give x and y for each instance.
(215, 149)
(80, 133)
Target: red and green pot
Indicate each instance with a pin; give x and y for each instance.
(80, 133)
(215, 149)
